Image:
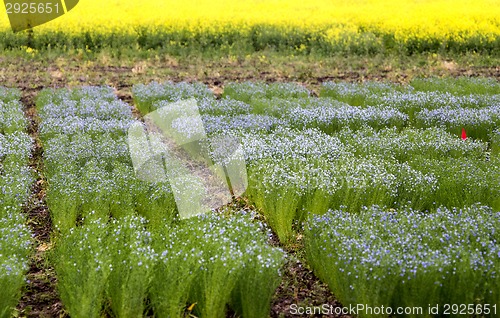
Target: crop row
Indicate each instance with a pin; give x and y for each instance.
(119, 244)
(208, 261)
(355, 175)
(15, 184)
(340, 104)
(85, 155)
(406, 258)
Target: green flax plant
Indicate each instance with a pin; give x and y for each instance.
(15, 247)
(146, 96)
(132, 260)
(359, 94)
(457, 86)
(16, 179)
(403, 145)
(495, 143)
(258, 280)
(12, 118)
(82, 262)
(401, 258)
(249, 91)
(211, 261)
(461, 181)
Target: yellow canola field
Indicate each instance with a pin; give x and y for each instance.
(421, 19)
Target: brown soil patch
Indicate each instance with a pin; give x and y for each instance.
(40, 298)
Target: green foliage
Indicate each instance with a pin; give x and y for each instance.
(87, 160)
(478, 123)
(146, 96)
(176, 41)
(419, 168)
(275, 189)
(495, 143)
(172, 280)
(330, 115)
(16, 179)
(15, 247)
(12, 117)
(15, 176)
(431, 143)
(156, 203)
(132, 260)
(396, 147)
(82, 262)
(406, 258)
(59, 96)
(103, 264)
(209, 261)
(359, 94)
(252, 295)
(248, 91)
(457, 86)
(9, 94)
(285, 191)
(461, 181)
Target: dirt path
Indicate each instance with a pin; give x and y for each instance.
(39, 298)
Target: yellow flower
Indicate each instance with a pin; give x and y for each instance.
(335, 20)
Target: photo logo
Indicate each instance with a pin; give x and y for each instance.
(26, 14)
(172, 146)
